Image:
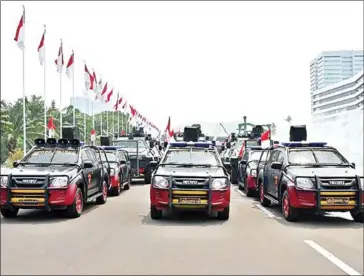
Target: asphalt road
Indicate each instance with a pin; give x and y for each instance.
(120, 238)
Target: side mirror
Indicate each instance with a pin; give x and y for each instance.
(122, 162)
(88, 165)
(151, 144)
(353, 164)
(222, 148)
(243, 162)
(153, 164)
(16, 163)
(227, 165)
(228, 145)
(160, 148)
(276, 166)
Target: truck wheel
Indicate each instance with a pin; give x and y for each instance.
(224, 215)
(289, 213)
(103, 197)
(234, 175)
(248, 192)
(147, 176)
(357, 216)
(154, 213)
(8, 213)
(263, 201)
(75, 210)
(127, 186)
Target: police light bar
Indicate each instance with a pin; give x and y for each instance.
(304, 144)
(191, 144)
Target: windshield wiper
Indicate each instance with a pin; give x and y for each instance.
(187, 164)
(34, 164)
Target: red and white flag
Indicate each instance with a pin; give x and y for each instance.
(108, 97)
(93, 135)
(41, 48)
(51, 127)
(265, 139)
(98, 90)
(118, 102)
(124, 105)
(70, 66)
(89, 79)
(95, 79)
(20, 32)
(59, 61)
(169, 132)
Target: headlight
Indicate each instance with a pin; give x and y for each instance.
(304, 183)
(160, 182)
(253, 172)
(219, 184)
(112, 172)
(59, 182)
(4, 181)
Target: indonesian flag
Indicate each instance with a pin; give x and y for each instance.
(98, 90)
(265, 139)
(69, 68)
(118, 102)
(124, 105)
(51, 127)
(103, 92)
(41, 49)
(19, 35)
(95, 79)
(241, 150)
(89, 80)
(108, 97)
(133, 113)
(93, 135)
(59, 61)
(169, 132)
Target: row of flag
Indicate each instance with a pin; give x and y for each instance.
(102, 92)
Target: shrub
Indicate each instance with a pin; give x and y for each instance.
(17, 155)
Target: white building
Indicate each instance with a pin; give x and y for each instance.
(337, 99)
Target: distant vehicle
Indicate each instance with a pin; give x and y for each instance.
(219, 142)
(310, 177)
(120, 169)
(191, 176)
(54, 175)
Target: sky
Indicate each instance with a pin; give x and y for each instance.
(194, 61)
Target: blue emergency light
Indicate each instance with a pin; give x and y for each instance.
(109, 147)
(191, 144)
(304, 144)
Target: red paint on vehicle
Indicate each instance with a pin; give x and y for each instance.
(252, 182)
(302, 199)
(114, 181)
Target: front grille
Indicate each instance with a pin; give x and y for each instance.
(28, 182)
(201, 183)
(342, 183)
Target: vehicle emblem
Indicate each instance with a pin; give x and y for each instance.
(190, 182)
(337, 182)
(29, 181)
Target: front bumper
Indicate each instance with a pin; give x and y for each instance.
(48, 198)
(114, 181)
(326, 200)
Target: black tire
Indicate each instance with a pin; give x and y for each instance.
(234, 175)
(147, 175)
(103, 197)
(289, 213)
(357, 216)
(263, 201)
(127, 186)
(240, 187)
(73, 211)
(225, 214)
(154, 213)
(9, 213)
(248, 192)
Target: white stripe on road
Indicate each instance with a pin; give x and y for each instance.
(340, 264)
(265, 211)
(241, 193)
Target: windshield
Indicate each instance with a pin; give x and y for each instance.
(111, 156)
(52, 156)
(130, 144)
(255, 156)
(308, 157)
(191, 156)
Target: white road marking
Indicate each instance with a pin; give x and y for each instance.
(241, 193)
(340, 264)
(265, 211)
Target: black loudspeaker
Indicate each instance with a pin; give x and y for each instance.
(298, 133)
(70, 133)
(104, 141)
(191, 134)
(257, 131)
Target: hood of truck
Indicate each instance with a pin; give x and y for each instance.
(328, 171)
(190, 172)
(29, 170)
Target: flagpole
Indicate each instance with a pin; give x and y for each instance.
(45, 89)
(118, 122)
(93, 115)
(84, 126)
(107, 123)
(102, 113)
(122, 119)
(60, 98)
(113, 124)
(24, 111)
(73, 89)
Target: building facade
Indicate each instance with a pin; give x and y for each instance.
(337, 99)
(334, 66)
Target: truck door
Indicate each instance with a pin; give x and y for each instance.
(277, 174)
(269, 173)
(88, 173)
(243, 166)
(124, 166)
(97, 170)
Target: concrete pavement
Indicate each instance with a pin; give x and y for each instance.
(120, 238)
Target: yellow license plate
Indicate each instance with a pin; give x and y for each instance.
(27, 200)
(338, 200)
(189, 200)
